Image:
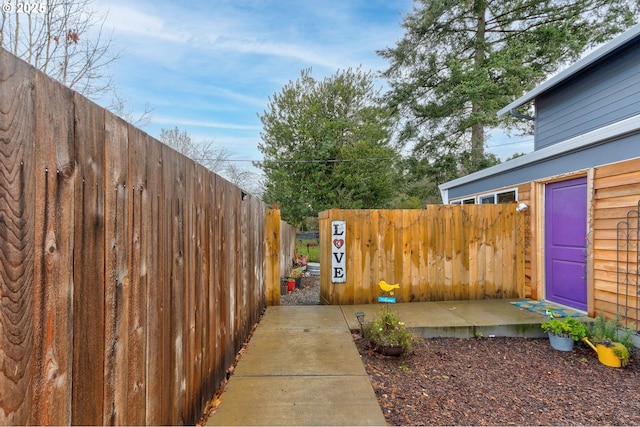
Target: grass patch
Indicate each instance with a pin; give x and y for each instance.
(304, 247)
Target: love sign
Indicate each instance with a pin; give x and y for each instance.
(338, 251)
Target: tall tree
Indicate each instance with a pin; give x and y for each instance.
(326, 144)
(459, 62)
(62, 38)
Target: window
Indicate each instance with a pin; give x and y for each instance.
(507, 196)
(468, 201)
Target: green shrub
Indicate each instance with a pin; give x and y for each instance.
(569, 326)
(387, 329)
(606, 331)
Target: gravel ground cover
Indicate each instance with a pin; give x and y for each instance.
(307, 294)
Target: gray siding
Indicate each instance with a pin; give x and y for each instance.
(603, 153)
(605, 93)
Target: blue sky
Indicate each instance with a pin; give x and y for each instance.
(209, 67)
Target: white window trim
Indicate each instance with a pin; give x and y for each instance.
(478, 198)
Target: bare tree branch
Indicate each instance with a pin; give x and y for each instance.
(64, 39)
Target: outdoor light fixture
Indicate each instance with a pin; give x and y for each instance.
(360, 317)
(522, 207)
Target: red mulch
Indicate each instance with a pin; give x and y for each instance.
(501, 381)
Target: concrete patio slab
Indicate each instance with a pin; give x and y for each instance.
(414, 314)
(497, 318)
(299, 401)
(301, 352)
(301, 367)
(303, 317)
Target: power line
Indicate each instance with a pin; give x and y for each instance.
(313, 161)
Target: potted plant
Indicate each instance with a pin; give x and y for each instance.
(610, 341)
(563, 333)
(295, 274)
(283, 285)
(386, 332)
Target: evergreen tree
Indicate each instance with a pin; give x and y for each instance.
(459, 62)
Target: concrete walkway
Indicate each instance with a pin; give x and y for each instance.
(302, 367)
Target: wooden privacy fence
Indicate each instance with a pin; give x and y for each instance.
(443, 252)
(129, 275)
(280, 242)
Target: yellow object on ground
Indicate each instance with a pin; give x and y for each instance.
(607, 356)
(387, 287)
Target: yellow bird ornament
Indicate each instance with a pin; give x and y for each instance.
(387, 287)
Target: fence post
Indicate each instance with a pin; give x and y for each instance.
(272, 253)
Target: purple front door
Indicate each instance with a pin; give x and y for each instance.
(566, 243)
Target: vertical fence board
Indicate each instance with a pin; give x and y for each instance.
(212, 356)
(17, 246)
(117, 280)
(138, 214)
(53, 268)
(89, 268)
(226, 329)
(355, 253)
(272, 255)
(202, 264)
(373, 238)
(219, 319)
(176, 206)
(416, 256)
(190, 254)
(157, 293)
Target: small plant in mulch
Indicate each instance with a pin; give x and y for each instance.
(386, 332)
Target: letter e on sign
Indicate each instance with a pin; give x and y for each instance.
(338, 251)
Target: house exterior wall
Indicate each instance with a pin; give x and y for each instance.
(614, 192)
(605, 93)
(603, 153)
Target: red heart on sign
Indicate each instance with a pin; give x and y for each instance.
(338, 243)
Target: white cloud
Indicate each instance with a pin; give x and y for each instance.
(182, 122)
(209, 67)
(133, 22)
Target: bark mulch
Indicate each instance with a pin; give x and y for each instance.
(501, 381)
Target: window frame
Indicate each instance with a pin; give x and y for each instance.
(478, 199)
